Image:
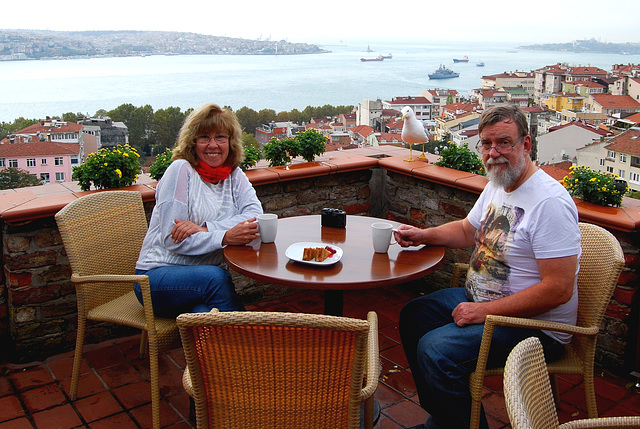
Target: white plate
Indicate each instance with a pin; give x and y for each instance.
(295, 251)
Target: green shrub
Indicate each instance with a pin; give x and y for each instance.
(595, 186)
(280, 152)
(251, 157)
(109, 168)
(310, 144)
(461, 158)
(160, 165)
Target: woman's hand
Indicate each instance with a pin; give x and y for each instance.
(243, 233)
(185, 228)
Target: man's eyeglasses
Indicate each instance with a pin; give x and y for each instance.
(218, 138)
(504, 146)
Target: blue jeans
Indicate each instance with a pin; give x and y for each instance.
(178, 289)
(442, 355)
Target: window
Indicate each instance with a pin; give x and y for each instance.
(74, 160)
(611, 154)
(634, 177)
(13, 163)
(59, 177)
(609, 169)
(31, 162)
(623, 157)
(601, 162)
(43, 161)
(57, 160)
(621, 174)
(635, 161)
(44, 178)
(1, 162)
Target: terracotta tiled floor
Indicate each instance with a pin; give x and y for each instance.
(114, 389)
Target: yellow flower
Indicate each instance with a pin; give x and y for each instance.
(126, 154)
(118, 172)
(105, 164)
(593, 179)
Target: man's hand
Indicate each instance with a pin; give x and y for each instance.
(469, 313)
(243, 233)
(185, 228)
(407, 235)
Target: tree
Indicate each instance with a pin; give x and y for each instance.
(71, 117)
(248, 119)
(7, 128)
(166, 127)
(12, 178)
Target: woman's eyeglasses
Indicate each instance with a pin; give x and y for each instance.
(218, 138)
(504, 146)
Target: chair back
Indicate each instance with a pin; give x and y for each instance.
(527, 389)
(272, 369)
(601, 262)
(103, 233)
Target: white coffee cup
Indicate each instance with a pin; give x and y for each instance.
(268, 227)
(381, 234)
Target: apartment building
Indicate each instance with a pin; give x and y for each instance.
(422, 107)
(549, 79)
(524, 80)
(612, 105)
(48, 161)
(440, 98)
(620, 155)
(562, 141)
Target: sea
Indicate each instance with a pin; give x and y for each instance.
(39, 88)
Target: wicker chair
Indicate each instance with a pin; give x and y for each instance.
(528, 396)
(601, 262)
(279, 370)
(102, 235)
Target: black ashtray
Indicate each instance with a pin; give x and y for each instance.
(334, 218)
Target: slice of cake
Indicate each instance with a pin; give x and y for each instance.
(322, 254)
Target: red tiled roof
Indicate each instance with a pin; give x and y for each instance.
(390, 137)
(627, 142)
(558, 171)
(60, 127)
(633, 118)
(618, 101)
(39, 148)
(363, 130)
(409, 100)
(580, 124)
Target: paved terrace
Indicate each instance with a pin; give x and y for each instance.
(115, 391)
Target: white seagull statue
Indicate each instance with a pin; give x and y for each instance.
(413, 131)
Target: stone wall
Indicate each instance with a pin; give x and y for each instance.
(37, 300)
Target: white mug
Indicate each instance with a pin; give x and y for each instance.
(268, 227)
(381, 234)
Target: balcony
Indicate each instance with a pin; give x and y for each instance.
(37, 301)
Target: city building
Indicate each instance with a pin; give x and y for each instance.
(276, 130)
(620, 155)
(612, 105)
(420, 106)
(562, 141)
(524, 80)
(549, 79)
(48, 161)
(440, 98)
(111, 133)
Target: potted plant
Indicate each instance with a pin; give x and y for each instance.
(115, 167)
(594, 186)
(280, 152)
(461, 158)
(252, 155)
(160, 165)
(311, 144)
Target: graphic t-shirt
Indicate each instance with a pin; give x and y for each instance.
(539, 220)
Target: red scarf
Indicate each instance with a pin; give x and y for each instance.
(212, 175)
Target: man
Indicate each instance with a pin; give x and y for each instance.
(524, 227)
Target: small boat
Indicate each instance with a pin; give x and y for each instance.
(387, 57)
(443, 73)
(378, 58)
(464, 59)
(480, 64)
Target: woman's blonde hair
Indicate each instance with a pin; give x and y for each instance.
(205, 120)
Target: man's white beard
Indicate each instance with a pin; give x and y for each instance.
(511, 173)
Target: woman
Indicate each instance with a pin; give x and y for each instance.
(203, 202)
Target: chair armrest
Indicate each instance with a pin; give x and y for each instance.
(492, 321)
(604, 423)
(373, 358)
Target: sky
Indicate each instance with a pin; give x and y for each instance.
(543, 21)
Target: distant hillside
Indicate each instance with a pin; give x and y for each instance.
(37, 44)
(591, 45)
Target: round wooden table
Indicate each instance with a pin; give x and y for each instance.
(359, 268)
